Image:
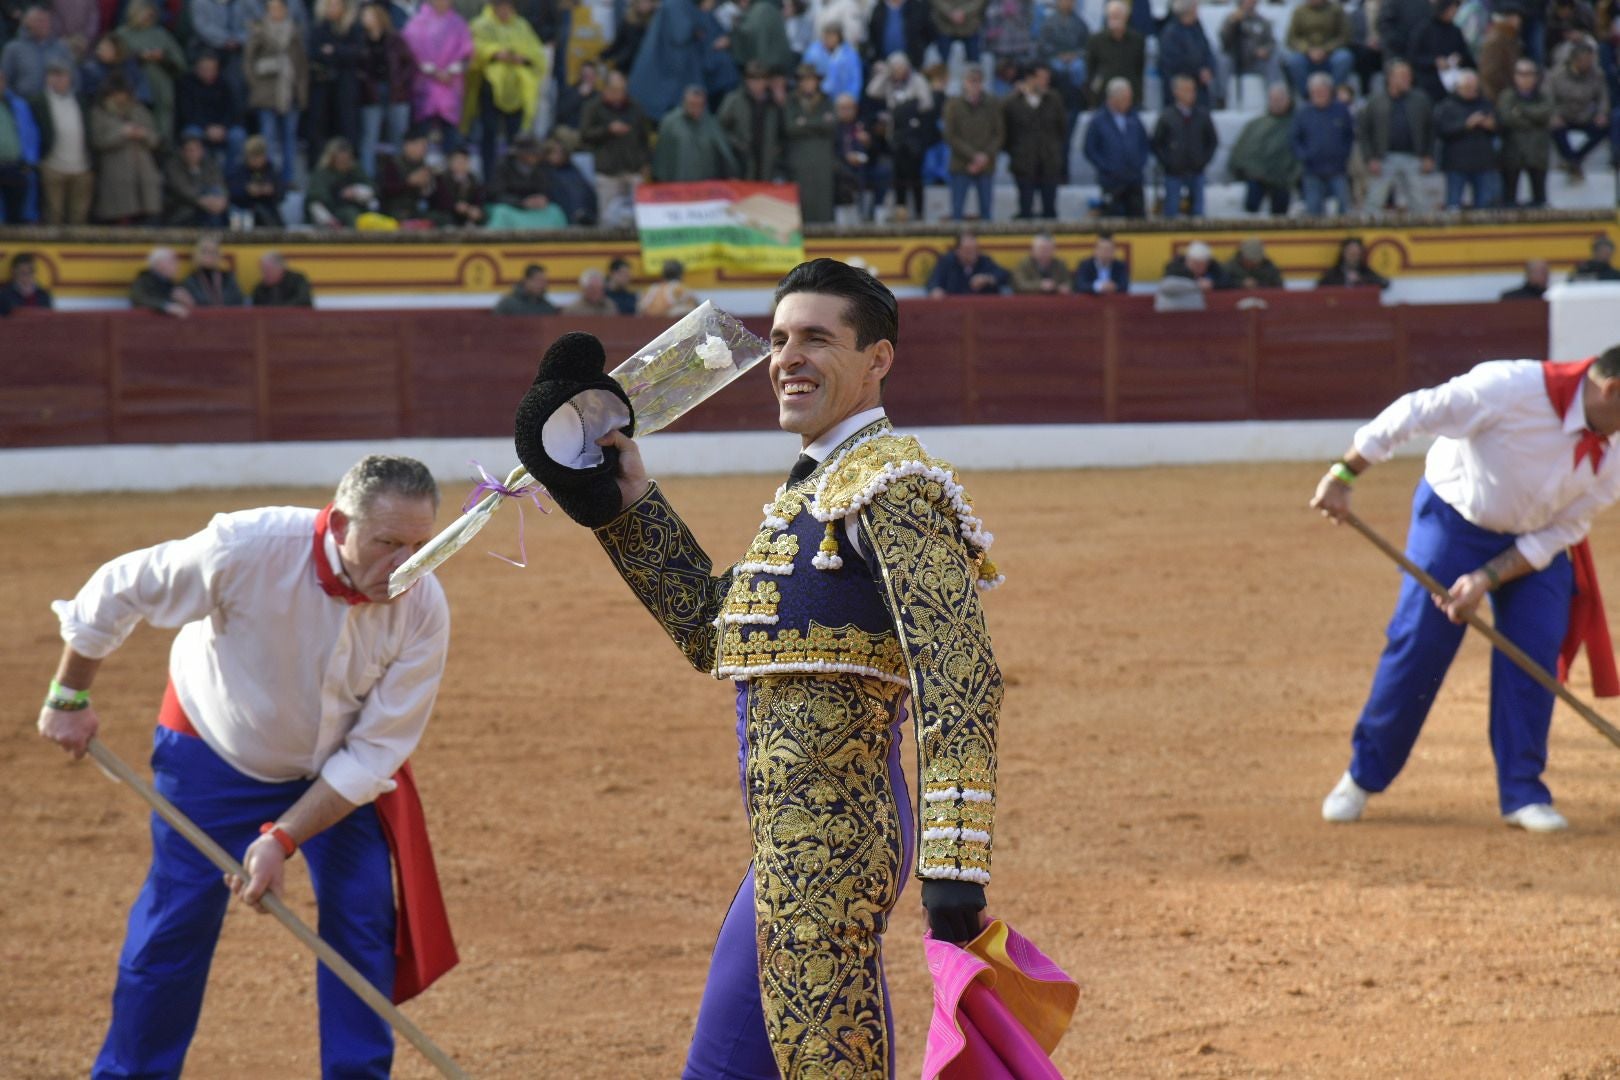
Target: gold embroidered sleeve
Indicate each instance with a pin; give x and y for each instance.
(661, 561)
(930, 585)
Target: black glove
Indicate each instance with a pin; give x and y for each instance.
(953, 909)
(572, 404)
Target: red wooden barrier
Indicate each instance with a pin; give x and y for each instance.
(250, 375)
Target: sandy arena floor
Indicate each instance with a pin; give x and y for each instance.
(1185, 652)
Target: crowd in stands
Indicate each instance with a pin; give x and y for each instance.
(415, 113)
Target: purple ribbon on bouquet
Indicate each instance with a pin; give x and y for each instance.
(530, 489)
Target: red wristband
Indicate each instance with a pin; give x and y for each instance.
(282, 837)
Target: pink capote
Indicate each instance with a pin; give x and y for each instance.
(440, 40)
(1000, 1008)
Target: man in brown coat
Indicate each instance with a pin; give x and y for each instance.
(974, 130)
(1037, 128)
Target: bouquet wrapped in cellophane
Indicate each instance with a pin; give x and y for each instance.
(672, 374)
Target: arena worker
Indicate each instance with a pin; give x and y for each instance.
(855, 604)
(1522, 464)
(297, 690)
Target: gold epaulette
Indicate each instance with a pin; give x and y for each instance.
(866, 469)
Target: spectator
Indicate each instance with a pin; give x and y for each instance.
(753, 121)
(528, 296)
(964, 270)
(386, 70)
(593, 300)
(1009, 33)
(1396, 136)
(974, 130)
(837, 63)
(1263, 156)
(520, 193)
(158, 288)
(1525, 113)
(1041, 271)
(338, 192)
(337, 52)
(1568, 21)
(1184, 49)
(1062, 46)
(1466, 125)
(1580, 107)
(1037, 132)
(618, 286)
(255, 185)
(76, 23)
(405, 184)
(1500, 50)
(1119, 52)
(441, 44)
(23, 290)
(1248, 39)
(720, 74)
(1536, 276)
(111, 58)
(194, 193)
(670, 298)
(221, 27)
(1116, 144)
(902, 92)
(1184, 141)
(617, 133)
(1319, 40)
(19, 158)
(1600, 267)
(278, 83)
(509, 67)
(810, 125)
(1440, 52)
(758, 36)
(628, 35)
(458, 196)
(1103, 274)
(691, 144)
(572, 99)
(66, 181)
(1364, 42)
(959, 20)
(670, 60)
(124, 137)
(209, 283)
(160, 57)
(570, 191)
(24, 58)
(861, 159)
(1322, 136)
(1398, 23)
(280, 286)
(895, 26)
(203, 101)
(1197, 264)
(1351, 269)
(1251, 268)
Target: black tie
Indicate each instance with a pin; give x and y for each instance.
(802, 468)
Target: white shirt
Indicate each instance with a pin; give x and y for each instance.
(69, 154)
(1503, 459)
(830, 442)
(281, 680)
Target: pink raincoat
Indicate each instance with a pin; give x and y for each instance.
(440, 43)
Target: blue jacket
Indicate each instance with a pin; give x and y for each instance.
(1118, 156)
(28, 136)
(671, 58)
(1322, 138)
(840, 71)
(1086, 276)
(950, 275)
(1183, 50)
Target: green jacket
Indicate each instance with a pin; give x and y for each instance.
(518, 302)
(756, 133)
(1108, 59)
(811, 126)
(1525, 124)
(615, 155)
(1265, 275)
(762, 35)
(1263, 153)
(973, 129)
(692, 149)
(1325, 27)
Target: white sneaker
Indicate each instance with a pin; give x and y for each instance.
(1346, 801)
(1537, 817)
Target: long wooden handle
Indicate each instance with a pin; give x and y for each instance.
(329, 956)
(1506, 647)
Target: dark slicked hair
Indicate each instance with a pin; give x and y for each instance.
(1608, 364)
(869, 306)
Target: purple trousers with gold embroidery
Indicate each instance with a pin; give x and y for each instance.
(796, 983)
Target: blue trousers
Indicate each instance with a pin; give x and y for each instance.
(175, 922)
(1532, 612)
(1175, 186)
(983, 184)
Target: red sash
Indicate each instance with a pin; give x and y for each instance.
(1588, 624)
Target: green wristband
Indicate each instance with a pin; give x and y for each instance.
(1342, 473)
(65, 700)
(1491, 575)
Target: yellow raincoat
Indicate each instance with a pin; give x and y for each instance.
(513, 86)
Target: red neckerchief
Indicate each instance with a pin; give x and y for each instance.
(330, 582)
(1562, 381)
(1587, 623)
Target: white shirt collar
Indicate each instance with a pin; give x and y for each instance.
(335, 562)
(841, 431)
